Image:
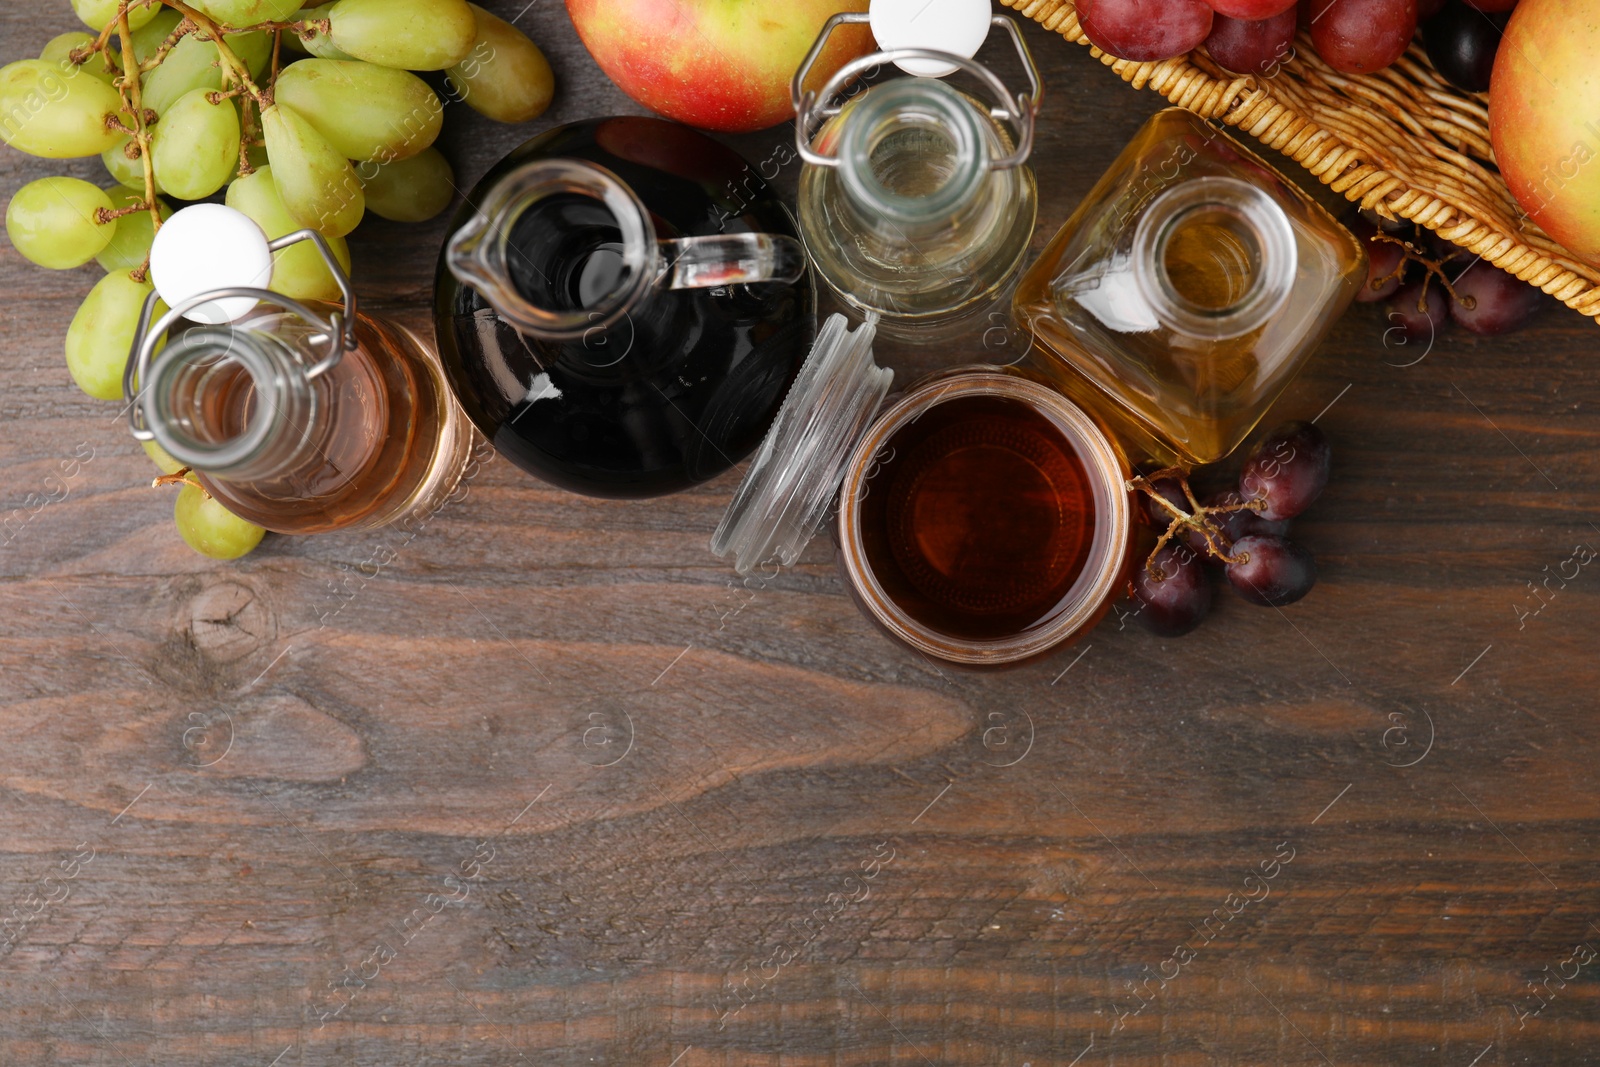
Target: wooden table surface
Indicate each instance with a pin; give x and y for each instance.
(540, 784)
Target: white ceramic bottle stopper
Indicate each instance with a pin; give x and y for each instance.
(207, 248)
(956, 26)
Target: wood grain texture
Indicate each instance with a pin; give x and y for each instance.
(540, 785)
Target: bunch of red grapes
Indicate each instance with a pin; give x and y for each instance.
(1244, 531)
(1256, 36)
(1429, 282)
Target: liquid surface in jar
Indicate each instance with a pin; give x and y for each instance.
(377, 442)
(1211, 261)
(979, 518)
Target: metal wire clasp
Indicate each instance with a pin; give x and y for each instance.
(337, 329)
(813, 108)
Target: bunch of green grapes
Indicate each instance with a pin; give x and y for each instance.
(299, 118)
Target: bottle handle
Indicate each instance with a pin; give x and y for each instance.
(729, 259)
(814, 108)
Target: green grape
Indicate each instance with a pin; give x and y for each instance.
(158, 455)
(44, 113)
(505, 76)
(61, 47)
(317, 184)
(298, 272)
(98, 14)
(409, 190)
(320, 45)
(129, 172)
(147, 40)
(211, 529)
(135, 233)
(254, 49)
(247, 12)
(195, 148)
(365, 111)
(405, 34)
(101, 334)
(193, 64)
(53, 223)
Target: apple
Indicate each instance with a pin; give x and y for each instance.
(1544, 118)
(716, 64)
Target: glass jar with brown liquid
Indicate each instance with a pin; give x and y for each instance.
(984, 516)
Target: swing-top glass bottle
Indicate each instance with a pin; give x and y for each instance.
(299, 417)
(916, 202)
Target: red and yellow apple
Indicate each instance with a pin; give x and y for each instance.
(1544, 118)
(717, 64)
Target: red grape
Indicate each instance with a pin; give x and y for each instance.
(1288, 470)
(1426, 9)
(1169, 488)
(1452, 257)
(1276, 572)
(1419, 317)
(1462, 44)
(1251, 10)
(1361, 36)
(1180, 600)
(1501, 301)
(1145, 30)
(1383, 262)
(1252, 47)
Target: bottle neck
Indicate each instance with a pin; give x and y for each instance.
(914, 159)
(237, 403)
(1215, 258)
(561, 248)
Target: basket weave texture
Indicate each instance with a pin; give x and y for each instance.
(1402, 142)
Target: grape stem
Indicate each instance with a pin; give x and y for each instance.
(1198, 518)
(133, 97)
(233, 67)
(106, 216)
(182, 477)
(1434, 268)
(182, 30)
(247, 139)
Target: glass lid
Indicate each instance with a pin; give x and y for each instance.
(784, 498)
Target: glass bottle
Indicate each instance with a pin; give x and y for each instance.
(1188, 289)
(301, 418)
(916, 202)
(621, 307)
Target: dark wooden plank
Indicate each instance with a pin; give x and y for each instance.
(676, 787)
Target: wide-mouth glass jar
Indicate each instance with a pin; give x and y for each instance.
(982, 517)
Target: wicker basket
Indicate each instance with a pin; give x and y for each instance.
(1401, 141)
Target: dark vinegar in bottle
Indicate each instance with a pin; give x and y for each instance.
(683, 386)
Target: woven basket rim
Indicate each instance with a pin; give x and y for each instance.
(1401, 142)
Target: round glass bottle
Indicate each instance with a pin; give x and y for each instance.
(916, 202)
(621, 307)
(301, 418)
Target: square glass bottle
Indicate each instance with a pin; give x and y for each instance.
(1188, 289)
